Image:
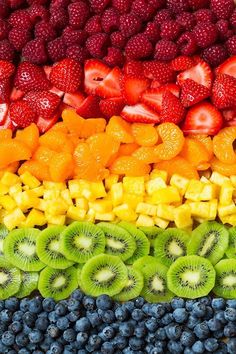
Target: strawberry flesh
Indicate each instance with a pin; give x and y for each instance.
(110, 86)
(94, 72)
(140, 113)
(200, 73)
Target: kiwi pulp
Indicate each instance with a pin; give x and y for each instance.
(225, 285)
(10, 279)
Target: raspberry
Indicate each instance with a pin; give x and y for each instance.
(71, 36)
(38, 13)
(98, 6)
(114, 57)
(223, 28)
(187, 43)
(19, 37)
(6, 50)
(162, 16)
(157, 4)
(77, 52)
(186, 20)
(40, 2)
(170, 30)
(215, 55)
(35, 52)
(97, 45)
(205, 15)
(118, 40)
(198, 4)
(60, 3)
(110, 20)
(20, 19)
(143, 9)
(45, 31)
(93, 25)
(152, 32)
(178, 6)
(138, 47)
(16, 4)
(4, 29)
(59, 18)
(165, 50)
(78, 14)
(130, 24)
(122, 6)
(223, 9)
(56, 49)
(205, 34)
(233, 19)
(4, 9)
(231, 45)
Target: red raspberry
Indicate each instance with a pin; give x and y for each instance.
(143, 9)
(233, 19)
(59, 18)
(77, 52)
(4, 9)
(186, 20)
(20, 19)
(205, 15)
(45, 31)
(56, 49)
(205, 34)
(97, 45)
(152, 32)
(4, 29)
(6, 50)
(71, 36)
(114, 57)
(162, 16)
(223, 9)
(110, 20)
(38, 13)
(35, 52)
(215, 55)
(15, 4)
(130, 24)
(178, 6)
(93, 25)
(170, 30)
(122, 6)
(118, 40)
(138, 47)
(157, 4)
(60, 3)
(78, 14)
(198, 4)
(187, 43)
(231, 45)
(98, 6)
(19, 37)
(40, 2)
(165, 50)
(21, 114)
(223, 28)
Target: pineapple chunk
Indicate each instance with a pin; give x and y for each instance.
(82, 203)
(50, 194)
(165, 212)
(194, 190)
(57, 206)
(209, 192)
(65, 194)
(55, 219)
(75, 213)
(134, 185)
(203, 179)
(13, 218)
(153, 185)
(146, 209)
(7, 202)
(110, 216)
(98, 190)
(16, 188)
(110, 180)
(226, 193)
(204, 210)
(166, 196)
(229, 219)
(3, 189)
(54, 185)
(35, 217)
(117, 194)
(39, 191)
(162, 223)
(182, 216)
(218, 178)
(101, 206)
(159, 173)
(144, 220)
(42, 205)
(10, 179)
(233, 180)
(224, 210)
(80, 188)
(26, 200)
(132, 200)
(181, 183)
(125, 212)
(29, 180)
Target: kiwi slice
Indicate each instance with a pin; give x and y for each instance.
(119, 242)
(225, 285)
(170, 245)
(48, 248)
(57, 283)
(3, 234)
(79, 267)
(29, 283)
(209, 240)
(191, 277)
(155, 283)
(141, 240)
(231, 250)
(19, 248)
(152, 232)
(133, 286)
(10, 279)
(144, 261)
(104, 274)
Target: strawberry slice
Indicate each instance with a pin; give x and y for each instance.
(229, 114)
(140, 113)
(200, 73)
(228, 67)
(192, 93)
(45, 124)
(133, 87)
(47, 69)
(22, 114)
(112, 106)
(110, 86)
(172, 109)
(8, 123)
(134, 68)
(16, 95)
(5, 90)
(224, 91)
(3, 112)
(182, 63)
(153, 96)
(203, 118)
(43, 103)
(73, 99)
(156, 70)
(94, 72)
(89, 108)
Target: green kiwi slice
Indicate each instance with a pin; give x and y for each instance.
(79, 267)
(48, 248)
(144, 261)
(10, 279)
(119, 242)
(133, 286)
(225, 285)
(191, 277)
(103, 274)
(152, 232)
(19, 248)
(29, 283)
(209, 240)
(231, 250)
(170, 245)
(155, 283)
(141, 240)
(57, 283)
(3, 233)
(82, 240)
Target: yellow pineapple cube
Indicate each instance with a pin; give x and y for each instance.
(13, 218)
(117, 193)
(9, 179)
(38, 191)
(26, 200)
(162, 223)
(54, 185)
(218, 178)
(82, 203)
(98, 190)
(233, 180)
(75, 213)
(57, 206)
(7, 202)
(181, 183)
(125, 212)
(65, 194)
(79, 188)
(132, 199)
(182, 216)
(166, 195)
(213, 209)
(229, 219)
(158, 173)
(3, 189)
(144, 220)
(16, 188)
(146, 209)
(153, 185)
(224, 210)
(29, 180)
(35, 217)
(25, 188)
(165, 212)
(50, 194)
(101, 206)
(204, 210)
(194, 190)
(55, 219)
(209, 192)
(226, 193)
(134, 185)
(90, 216)
(42, 205)
(110, 216)
(110, 180)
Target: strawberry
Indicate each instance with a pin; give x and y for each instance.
(203, 118)
(172, 109)
(200, 73)
(228, 67)
(224, 91)
(21, 114)
(7, 124)
(182, 63)
(5, 90)
(94, 72)
(133, 87)
(112, 106)
(30, 77)
(6, 69)
(156, 70)
(153, 96)
(16, 95)
(110, 86)
(66, 75)
(45, 124)
(47, 69)
(139, 113)
(192, 93)
(73, 99)
(43, 103)
(229, 114)
(134, 68)
(3, 113)
(89, 108)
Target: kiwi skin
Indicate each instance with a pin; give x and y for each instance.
(225, 285)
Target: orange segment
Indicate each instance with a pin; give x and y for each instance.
(129, 166)
(73, 121)
(12, 150)
(44, 154)
(223, 168)
(13, 167)
(61, 167)
(56, 141)
(37, 168)
(146, 154)
(178, 165)
(120, 130)
(92, 126)
(144, 134)
(61, 127)
(29, 136)
(103, 147)
(172, 141)
(5, 134)
(127, 149)
(195, 152)
(206, 141)
(223, 145)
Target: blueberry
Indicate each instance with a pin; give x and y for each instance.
(159, 347)
(53, 331)
(94, 319)
(21, 339)
(17, 315)
(35, 305)
(107, 348)
(209, 313)
(53, 317)
(188, 351)
(231, 303)
(230, 314)
(126, 329)
(68, 349)
(29, 319)
(73, 304)
(35, 336)
(199, 310)
(45, 344)
(95, 341)
(120, 342)
(82, 351)
(88, 302)
(121, 313)
(206, 300)
(231, 345)
(147, 308)
(202, 330)
(12, 304)
(108, 332)
(37, 352)
(173, 331)
(175, 347)
(77, 294)
(177, 303)
(5, 315)
(158, 310)
(104, 302)
(137, 314)
(108, 316)
(12, 351)
(73, 316)
(69, 335)
(214, 324)
(211, 344)
(15, 327)
(180, 315)
(136, 343)
(218, 304)
(24, 304)
(150, 338)
(220, 316)
(219, 334)
(166, 319)
(23, 351)
(41, 323)
(151, 324)
(187, 338)
(230, 330)
(161, 334)
(48, 304)
(81, 339)
(129, 305)
(26, 329)
(82, 324)
(139, 302)
(2, 305)
(60, 309)
(140, 331)
(63, 323)
(56, 348)
(198, 347)
(189, 304)
(8, 338)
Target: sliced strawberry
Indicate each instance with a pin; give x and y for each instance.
(16, 95)
(224, 91)
(6, 69)
(94, 72)
(45, 124)
(192, 93)
(229, 114)
(7, 123)
(73, 99)
(200, 73)
(110, 86)
(30, 77)
(134, 68)
(4, 107)
(153, 96)
(182, 63)
(111, 106)
(43, 103)
(172, 109)
(47, 69)
(22, 114)
(5, 90)
(203, 118)
(156, 70)
(140, 113)
(89, 108)
(228, 67)
(133, 87)
(155, 84)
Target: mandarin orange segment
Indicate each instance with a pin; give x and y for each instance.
(127, 149)
(12, 167)
(5, 134)
(144, 134)
(73, 121)
(146, 154)
(37, 168)
(61, 167)
(56, 141)
(223, 168)
(206, 141)
(103, 147)
(29, 136)
(60, 127)
(195, 152)
(12, 150)
(178, 165)
(172, 141)
(44, 154)
(223, 145)
(92, 126)
(120, 130)
(129, 166)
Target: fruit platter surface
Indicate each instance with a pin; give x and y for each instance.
(117, 176)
